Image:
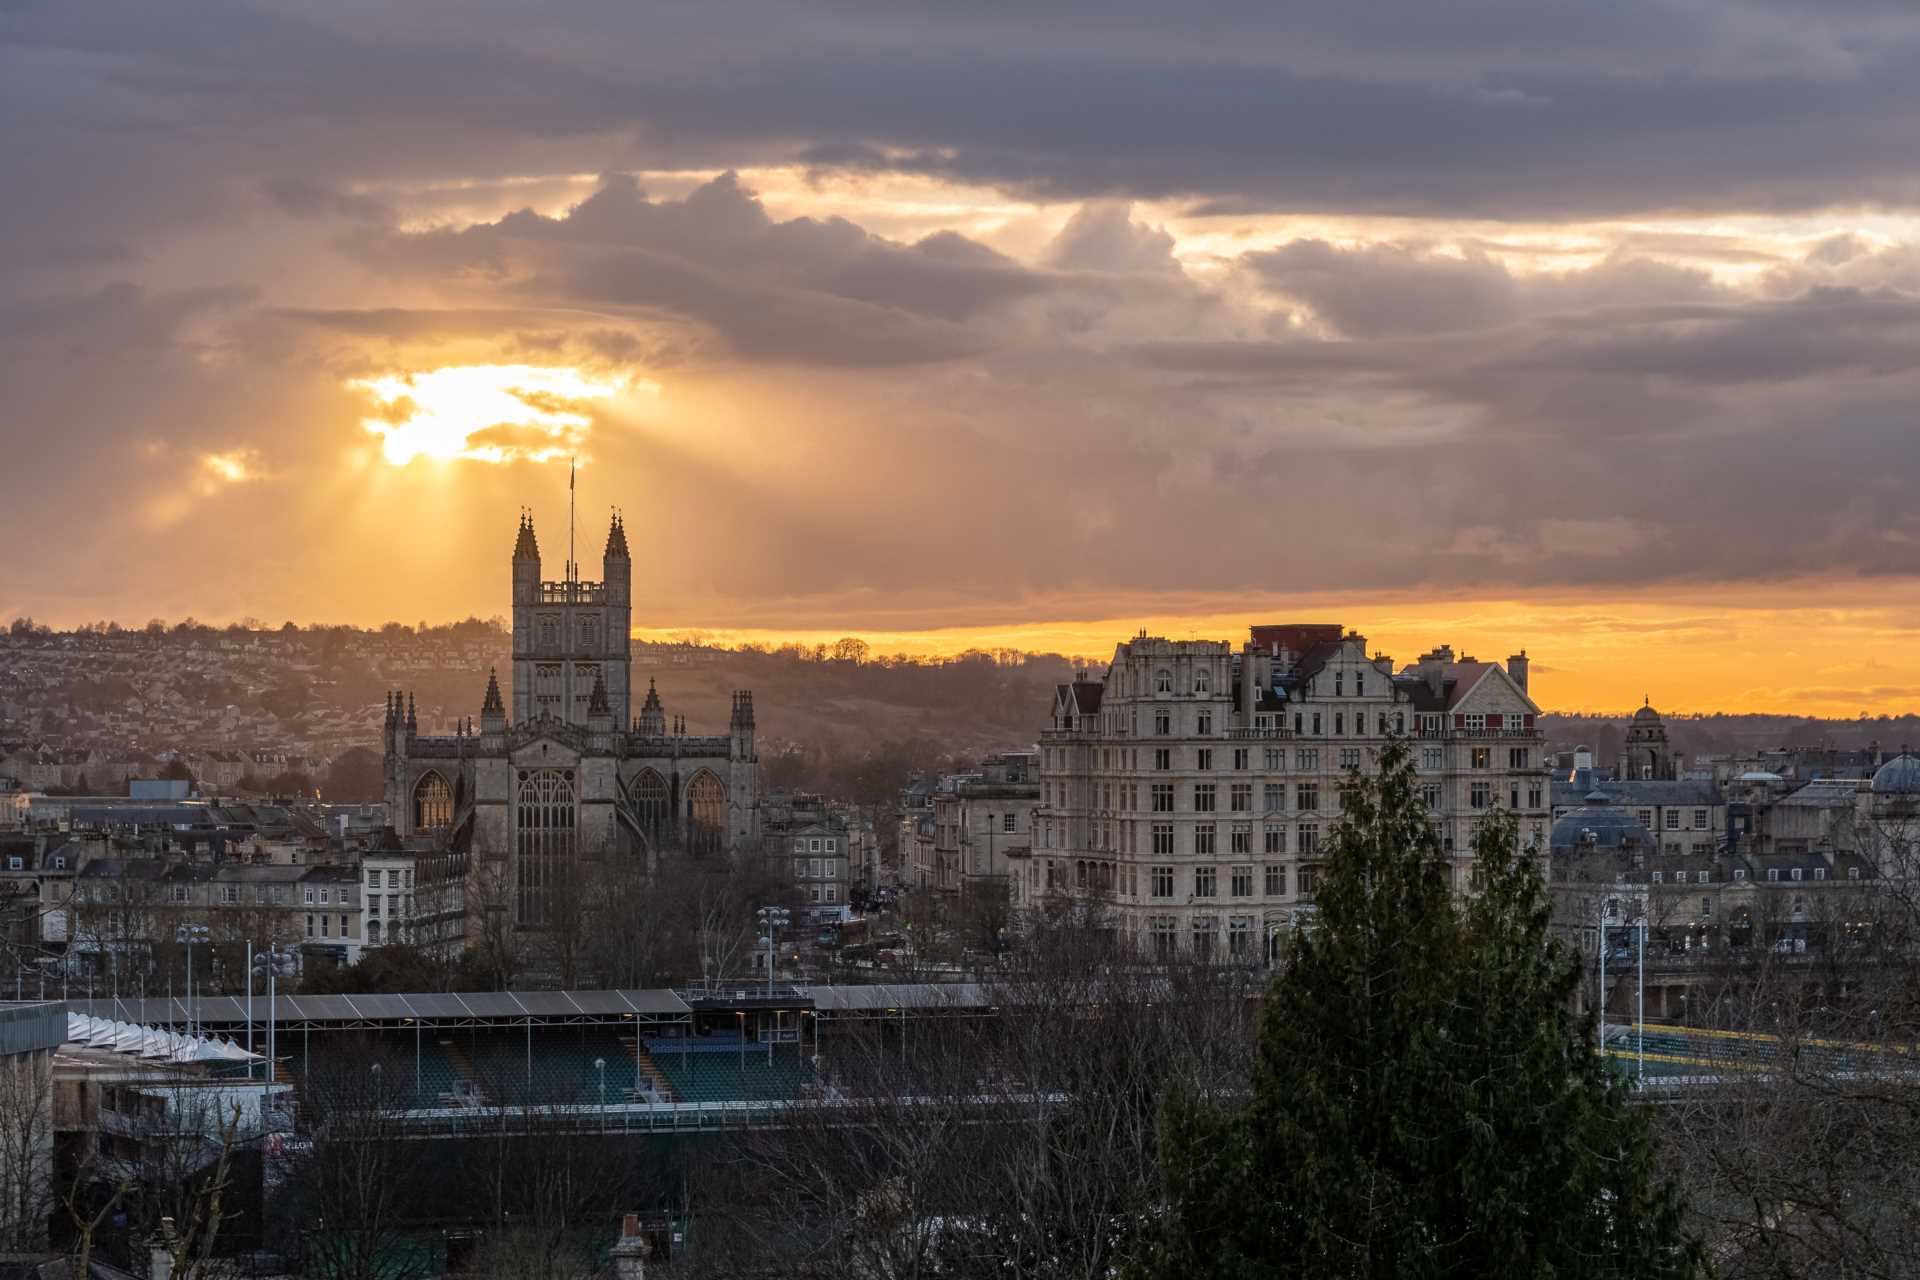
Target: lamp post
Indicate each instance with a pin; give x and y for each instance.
(771, 919)
(190, 934)
(269, 963)
(1601, 950)
(600, 1065)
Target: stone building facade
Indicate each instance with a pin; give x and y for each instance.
(524, 803)
(1191, 786)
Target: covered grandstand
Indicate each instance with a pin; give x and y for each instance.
(720, 1052)
(1666, 1058)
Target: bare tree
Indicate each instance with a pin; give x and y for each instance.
(1017, 1143)
(356, 1175)
(26, 1150)
(1797, 1139)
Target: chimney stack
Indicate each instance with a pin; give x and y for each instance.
(630, 1255)
(1517, 668)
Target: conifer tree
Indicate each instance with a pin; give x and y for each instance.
(1424, 1101)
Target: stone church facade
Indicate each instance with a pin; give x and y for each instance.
(570, 778)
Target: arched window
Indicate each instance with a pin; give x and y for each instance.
(544, 827)
(706, 815)
(1163, 681)
(373, 933)
(650, 804)
(432, 803)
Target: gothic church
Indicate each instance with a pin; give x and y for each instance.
(572, 775)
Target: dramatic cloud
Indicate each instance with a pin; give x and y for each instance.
(909, 319)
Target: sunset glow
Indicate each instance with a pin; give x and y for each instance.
(1596, 336)
(487, 413)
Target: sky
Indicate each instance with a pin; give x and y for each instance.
(1592, 330)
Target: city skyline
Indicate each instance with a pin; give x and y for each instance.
(1592, 331)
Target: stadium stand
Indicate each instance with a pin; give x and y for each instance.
(720, 1068)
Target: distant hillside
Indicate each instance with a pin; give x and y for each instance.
(834, 718)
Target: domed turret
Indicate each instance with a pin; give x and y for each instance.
(1598, 825)
(1899, 776)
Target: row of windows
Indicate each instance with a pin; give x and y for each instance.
(818, 869)
(816, 844)
(393, 879)
(1305, 759)
(1239, 881)
(1163, 936)
(1307, 796)
(588, 637)
(1794, 874)
(326, 930)
(1672, 819)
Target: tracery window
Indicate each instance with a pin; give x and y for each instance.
(706, 815)
(432, 803)
(650, 804)
(544, 829)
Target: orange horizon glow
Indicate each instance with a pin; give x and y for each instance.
(1823, 659)
(1834, 654)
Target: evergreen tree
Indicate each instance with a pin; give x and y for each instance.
(1424, 1101)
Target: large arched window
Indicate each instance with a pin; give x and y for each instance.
(432, 803)
(544, 826)
(706, 814)
(651, 805)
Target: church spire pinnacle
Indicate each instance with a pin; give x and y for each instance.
(653, 715)
(526, 546)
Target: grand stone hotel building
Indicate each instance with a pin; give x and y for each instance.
(571, 776)
(1192, 787)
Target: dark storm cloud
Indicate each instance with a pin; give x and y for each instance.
(216, 214)
(801, 290)
(1506, 109)
(1387, 290)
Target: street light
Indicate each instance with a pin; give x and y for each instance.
(190, 934)
(600, 1065)
(771, 919)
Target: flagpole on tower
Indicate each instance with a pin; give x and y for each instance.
(573, 574)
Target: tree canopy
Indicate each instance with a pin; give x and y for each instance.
(1424, 1101)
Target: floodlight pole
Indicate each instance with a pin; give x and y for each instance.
(1640, 1034)
(1601, 948)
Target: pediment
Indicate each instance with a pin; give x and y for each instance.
(545, 741)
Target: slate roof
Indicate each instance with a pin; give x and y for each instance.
(1698, 792)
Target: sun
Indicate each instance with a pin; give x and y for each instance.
(485, 412)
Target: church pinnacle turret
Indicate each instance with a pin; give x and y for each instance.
(526, 546)
(493, 709)
(653, 715)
